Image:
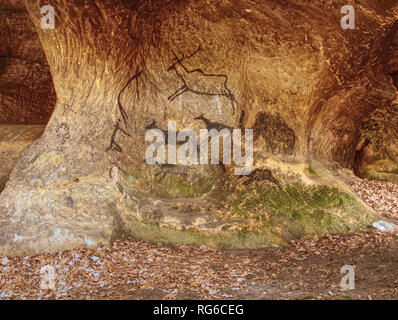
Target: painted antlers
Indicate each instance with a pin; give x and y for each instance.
(179, 60)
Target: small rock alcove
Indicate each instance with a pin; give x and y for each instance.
(27, 94)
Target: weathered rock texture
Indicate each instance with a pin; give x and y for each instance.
(377, 152)
(27, 94)
(13, 140)
(284, 68)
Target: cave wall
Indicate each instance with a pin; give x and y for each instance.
(13, 140)
(27, 94)
(377, 152)
(323, 82)
(284, 68)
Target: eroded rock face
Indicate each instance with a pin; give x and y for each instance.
(377, 152)
(284, 68)
(27, 94)
(13, 140)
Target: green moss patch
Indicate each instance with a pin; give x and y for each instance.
(49, 158)
(380, 176)
(273, 217)
(171, 186)
(151, 231)
(174, 186)
(299, 211)
(268, 215)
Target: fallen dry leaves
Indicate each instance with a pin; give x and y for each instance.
(380, 195)
(132, 269)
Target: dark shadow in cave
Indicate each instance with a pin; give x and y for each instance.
(359, 155)
(27, 93)
(394, 77)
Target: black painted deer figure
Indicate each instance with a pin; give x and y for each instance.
(196, 81)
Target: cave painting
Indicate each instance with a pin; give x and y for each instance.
(136, 77)
(166, 169)
(232, 145)
(114, 144)
(198, 82)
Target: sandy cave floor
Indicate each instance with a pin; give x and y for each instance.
(307, 269)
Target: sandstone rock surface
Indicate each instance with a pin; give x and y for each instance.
(287, 69)
(27, 94)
